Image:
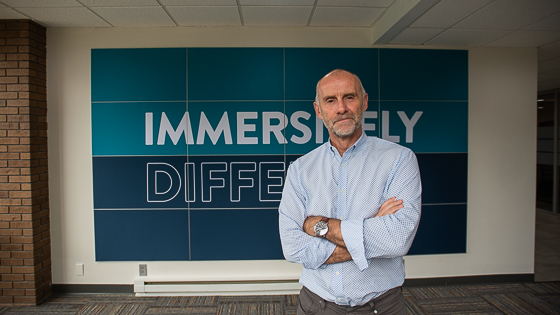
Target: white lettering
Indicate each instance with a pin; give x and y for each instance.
(242, 128)
(205, 127)
(385, 128)
(318, 129)
(276, 129)
(409, 124)
(166, 128)
(154, 180)
(301, 127)
(149, 134)
(369, 115)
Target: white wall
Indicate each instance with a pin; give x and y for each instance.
(502, 150)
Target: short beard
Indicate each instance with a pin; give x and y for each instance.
(339, 133)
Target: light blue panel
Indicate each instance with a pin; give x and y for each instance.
(236, 74)
(155, 74)
(423, 74)
(250, 142)
(120, 128)
(440, 127)
(306, 66)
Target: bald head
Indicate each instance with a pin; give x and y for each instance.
(336, 73)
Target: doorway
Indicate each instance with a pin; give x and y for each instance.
(547, 229)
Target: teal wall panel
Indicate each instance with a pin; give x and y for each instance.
(188, 139)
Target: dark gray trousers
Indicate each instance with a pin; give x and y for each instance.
(390, 303)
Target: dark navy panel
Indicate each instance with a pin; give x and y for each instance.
(423, 74)
(121, 182)
(444, 177)
(442, 230)
(236, 74)
(141, 235)
(235, 235)
(200, 182)
(306, 66)
(155, 74)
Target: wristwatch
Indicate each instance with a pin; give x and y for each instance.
(322, 227)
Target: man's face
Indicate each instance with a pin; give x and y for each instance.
(341, 104)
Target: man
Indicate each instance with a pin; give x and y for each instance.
(350, 210)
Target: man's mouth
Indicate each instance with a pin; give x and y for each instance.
(344, 119)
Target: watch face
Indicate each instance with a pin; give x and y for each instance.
(321, 228)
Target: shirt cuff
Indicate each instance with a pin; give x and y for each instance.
(353, 234)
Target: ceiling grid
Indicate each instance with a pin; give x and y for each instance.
(450, 23)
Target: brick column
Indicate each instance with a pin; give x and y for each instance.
(25, 254)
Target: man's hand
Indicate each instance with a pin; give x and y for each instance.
(308, 225)
(390, 206)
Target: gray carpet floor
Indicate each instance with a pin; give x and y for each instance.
(511, 298)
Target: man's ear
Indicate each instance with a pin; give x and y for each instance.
(317, 110)
(365, 105)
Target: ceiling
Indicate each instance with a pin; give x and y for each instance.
(464, 23)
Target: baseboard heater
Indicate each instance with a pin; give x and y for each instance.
(202, 288)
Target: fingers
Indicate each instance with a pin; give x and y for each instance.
(390, 206)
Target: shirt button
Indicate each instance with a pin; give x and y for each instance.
(342, 164)
(339, 299)
(341, 191)
(341, 218)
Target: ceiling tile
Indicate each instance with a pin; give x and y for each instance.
(551, 23)
(510, 14)
(549, 65)
(205, 16)
(275, 16)
(448, 12)
(278, 2)
(549, 51)
(526, 39)
(135, 16)
(65, 17)
(453, 37)
(198, 2)
(7, 13)
(341, 16)
(119, 3)
(41, 4)
(416, 36)
(355, 3)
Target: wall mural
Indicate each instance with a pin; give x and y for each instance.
(191, 145)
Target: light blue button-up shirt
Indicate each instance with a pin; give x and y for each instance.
(352, 188)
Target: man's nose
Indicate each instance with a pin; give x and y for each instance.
(342, 106)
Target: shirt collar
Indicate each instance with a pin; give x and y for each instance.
(354, 148)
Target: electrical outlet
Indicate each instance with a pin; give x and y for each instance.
(143, 270)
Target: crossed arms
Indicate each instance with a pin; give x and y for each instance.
(387, 234)
(334, 235)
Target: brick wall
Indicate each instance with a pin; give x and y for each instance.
(25, 257)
